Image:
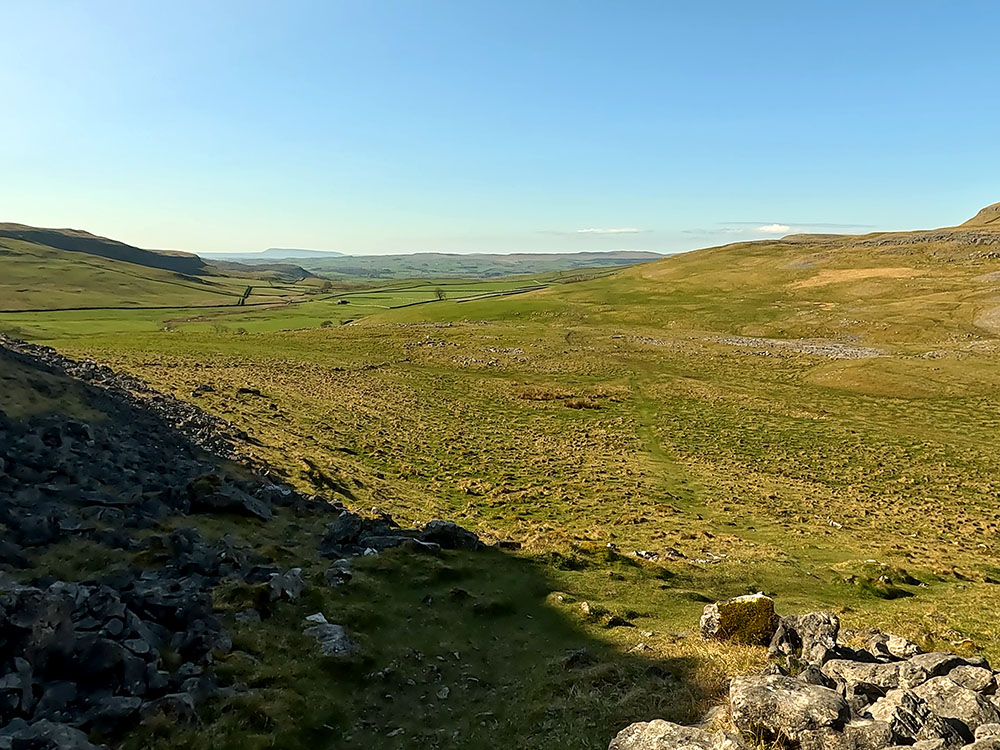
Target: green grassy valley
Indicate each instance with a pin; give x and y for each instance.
(52, 287)
(812, 417)
(445, 265)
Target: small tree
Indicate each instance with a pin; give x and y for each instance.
(439, 293)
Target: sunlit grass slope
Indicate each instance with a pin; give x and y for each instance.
(905, 288)
(808, 417)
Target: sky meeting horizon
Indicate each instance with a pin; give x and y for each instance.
(376, 127)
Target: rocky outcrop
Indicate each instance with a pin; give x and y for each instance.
(819, 694)
(119, 390)
(350, 534)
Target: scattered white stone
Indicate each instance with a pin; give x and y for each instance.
(332, 639)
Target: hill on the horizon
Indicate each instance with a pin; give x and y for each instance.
(471, 265)
(272, 254)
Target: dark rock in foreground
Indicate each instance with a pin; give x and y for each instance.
(91, 656)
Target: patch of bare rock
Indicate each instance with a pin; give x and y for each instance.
(815, 347)
(819, 694)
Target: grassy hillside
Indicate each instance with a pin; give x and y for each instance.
(67, 269)
(909, 289)
(49, 295)
(77, 241)
(813, 417)
(38, 276)
(989, 216)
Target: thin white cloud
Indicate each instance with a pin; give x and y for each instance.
(609, 230)
(811, 224)
(774, 229)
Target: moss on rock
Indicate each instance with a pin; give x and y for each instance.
(748, 619)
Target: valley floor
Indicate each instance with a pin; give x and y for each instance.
(633, 473)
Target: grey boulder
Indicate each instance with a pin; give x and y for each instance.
(332, 639)
(900, 674)
(811, 637)
(952, 701)
(777, 708)
(664, 735)
(860, 734)
(974, 678)
(937, 663)
(911, 719)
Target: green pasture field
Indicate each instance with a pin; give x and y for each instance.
(809, 419)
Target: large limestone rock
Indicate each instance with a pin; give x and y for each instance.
(937, 663)
(860, 734)
(888, 676)
(921, 745)
(911, 720)
(778, 708)
(974, 678)
(748, 619)
(664, 735)
(886, 646)
(951, 701)
(811, 637)
(987, 730)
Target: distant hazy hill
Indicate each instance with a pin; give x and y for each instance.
(478, 265)
(271, 255)
(76, 240)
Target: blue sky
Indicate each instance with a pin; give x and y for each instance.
(403, 126)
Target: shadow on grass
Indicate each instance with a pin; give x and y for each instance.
(462, 650)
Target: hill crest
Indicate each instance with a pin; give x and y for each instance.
(988, 217)
(77, 240)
